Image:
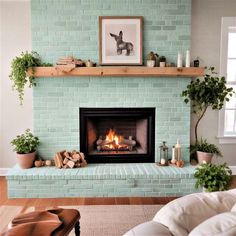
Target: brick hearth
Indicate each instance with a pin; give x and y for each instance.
(101, 180)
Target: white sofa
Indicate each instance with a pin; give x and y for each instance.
(199, 214)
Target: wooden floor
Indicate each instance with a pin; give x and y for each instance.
(52, 202)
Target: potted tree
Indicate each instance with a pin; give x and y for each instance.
(210, 92)
(25, 146)
(212, 177)
(19, 68)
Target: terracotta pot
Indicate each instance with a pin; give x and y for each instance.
(26, 160)
(204, 156)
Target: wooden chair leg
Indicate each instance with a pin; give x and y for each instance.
(77, 228)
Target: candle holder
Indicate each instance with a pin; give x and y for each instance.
(163, 154)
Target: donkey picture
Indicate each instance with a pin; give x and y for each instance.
(121, 45)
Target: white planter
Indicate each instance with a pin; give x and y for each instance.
(150, 63)
(162, 64)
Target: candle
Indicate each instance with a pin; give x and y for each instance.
(177, 146)
(187, 59)
(179, 60)
(173, 160)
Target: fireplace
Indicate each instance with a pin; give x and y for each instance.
(117, 135)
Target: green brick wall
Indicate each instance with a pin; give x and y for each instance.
(70, 27)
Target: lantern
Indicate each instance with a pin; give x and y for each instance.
(164, 153)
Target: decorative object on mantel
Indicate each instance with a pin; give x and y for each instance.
(25, 147)
(211, 91)
(89, 63)
(196, 62)
(151, 59)
(120, 40)
(187, 59)
(179, 60)
(162, 61)
(163, 155)
(19, 68)
(65, 159)
(68, 64)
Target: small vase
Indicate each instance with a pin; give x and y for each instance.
(26, 160)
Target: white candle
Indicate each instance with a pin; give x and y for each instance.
(187, 59)
(179, 60)
(173, 160)
(163, 161)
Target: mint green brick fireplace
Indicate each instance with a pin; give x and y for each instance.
(70, 27)
(62, 28)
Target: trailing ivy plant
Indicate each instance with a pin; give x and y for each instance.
(213, 177)
(209, 92)
(19, 67)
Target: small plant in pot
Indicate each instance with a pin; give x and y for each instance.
(205, 151)
(151, 59)
(25, 146)
(213, 177)
(162, 61)
(209, 92)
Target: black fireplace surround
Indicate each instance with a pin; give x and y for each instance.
(131, 123)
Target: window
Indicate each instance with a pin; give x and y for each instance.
(227, 119)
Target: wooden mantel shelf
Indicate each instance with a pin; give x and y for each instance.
(121, 71)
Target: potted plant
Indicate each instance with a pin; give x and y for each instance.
(151, 59)
(19, 67)
(25, 146)
(162, 61)
(210, 92)
(212, 177)
(205, 151)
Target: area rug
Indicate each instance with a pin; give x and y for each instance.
(96, 220)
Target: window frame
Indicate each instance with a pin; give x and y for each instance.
(226, 24)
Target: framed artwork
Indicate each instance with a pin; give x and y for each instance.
(120, 39)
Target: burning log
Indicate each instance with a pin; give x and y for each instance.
(72, 159)
(115, 144)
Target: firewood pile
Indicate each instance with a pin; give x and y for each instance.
(67, 64)
(74, 159)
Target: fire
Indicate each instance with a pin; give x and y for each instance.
(115, 142)
(112, 138)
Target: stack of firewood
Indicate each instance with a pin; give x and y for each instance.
(74, 159)
(69, 63)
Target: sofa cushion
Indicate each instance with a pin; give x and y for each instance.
(182, 215)
(234, 208)
(150, 228)
(223, 224)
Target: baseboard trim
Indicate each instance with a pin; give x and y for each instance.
(3, 171)
(233, 168)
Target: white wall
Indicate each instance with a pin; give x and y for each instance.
(15, 25)
(16, 37)
(206, 33)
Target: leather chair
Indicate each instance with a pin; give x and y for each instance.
(54, 222)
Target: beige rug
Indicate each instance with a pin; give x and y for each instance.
(96, 220)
